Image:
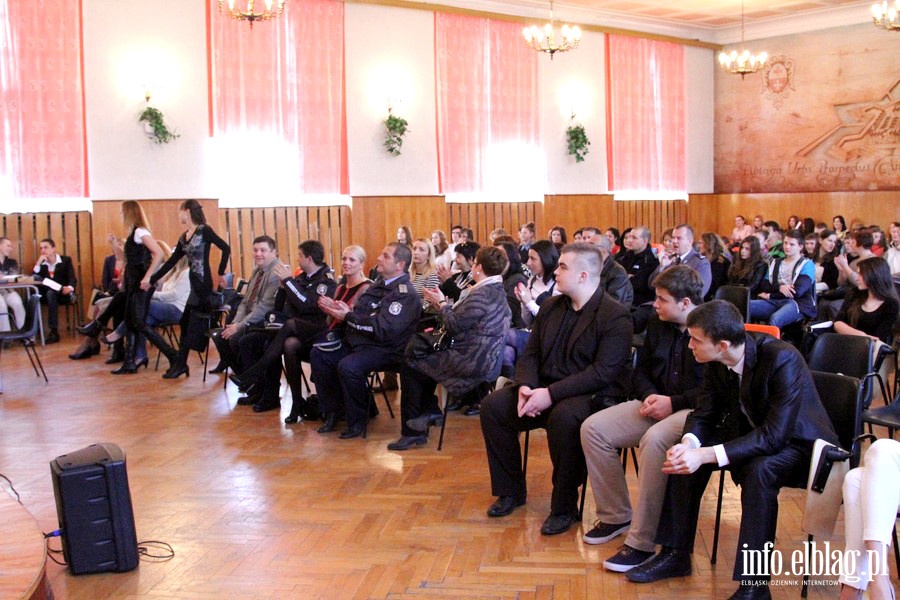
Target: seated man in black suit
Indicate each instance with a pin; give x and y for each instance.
(58, 268)
(758, 415)
(575, 364)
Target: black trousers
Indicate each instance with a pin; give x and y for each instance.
(253, 345)
(501, 424)
(416, 397)
(760, 478)
(53, 300)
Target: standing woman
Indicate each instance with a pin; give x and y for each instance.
(142, 257)
(193, 243)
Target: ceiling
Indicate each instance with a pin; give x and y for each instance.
(715, 21)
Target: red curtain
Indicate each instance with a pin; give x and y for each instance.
(278, 101)
(646, 115)
(487, 97)
(42, 154)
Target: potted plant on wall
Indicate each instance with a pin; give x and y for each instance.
(155, 125)
(396, 129)
(577, 140)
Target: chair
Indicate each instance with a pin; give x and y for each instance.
(770, 329)
(737, 295)
(374, 379)
(847, 355)
(27, 335)
(491, 380)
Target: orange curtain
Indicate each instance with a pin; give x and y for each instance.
(42, 154)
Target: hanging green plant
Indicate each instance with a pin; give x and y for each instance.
(156, 126)
(578, 141)
(396, 129)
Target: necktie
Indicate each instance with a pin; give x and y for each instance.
(253, 295)
(677, 260)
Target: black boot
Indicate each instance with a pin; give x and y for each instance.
(88, 348)
(179, 366)
(160, 342)
(330, 423)
(92, 329)
(118, 353)
(128, 367)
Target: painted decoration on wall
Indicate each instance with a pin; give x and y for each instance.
(825, 116)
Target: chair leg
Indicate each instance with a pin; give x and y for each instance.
(583, 497)
(304, 382)
(805, 589)
(446, 401)
(715, 548)
(30, 345)
(635, 461)
(525, 454)
(384, 395)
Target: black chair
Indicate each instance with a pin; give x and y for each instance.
(27, 335)
(482, 389)
(373, 380)
(842, 398)
(737, 295)
(849, 355)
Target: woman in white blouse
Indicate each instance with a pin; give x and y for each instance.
(542, 261)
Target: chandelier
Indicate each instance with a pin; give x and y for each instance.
(547, 40)
(744, 62)
(273, 9)
(886, 18)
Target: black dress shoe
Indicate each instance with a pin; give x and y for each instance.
(52, 337)
(752, 592)
(329, 425)
(88, 348)
(265, 406)
(251, 400)
(424, 422)
(245, 386)
(352, 431)
(668, 563)
(408, 441)
(556, 524)
(219, 368)
(504, 505)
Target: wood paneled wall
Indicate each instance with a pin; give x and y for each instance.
(373, 221)
(71, 231)
(716, 212)
(289, 225)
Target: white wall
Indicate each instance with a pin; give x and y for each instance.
(130, 44)
(393, 62)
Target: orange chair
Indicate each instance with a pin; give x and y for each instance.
(770, 329)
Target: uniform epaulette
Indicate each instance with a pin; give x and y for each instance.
(404, 289)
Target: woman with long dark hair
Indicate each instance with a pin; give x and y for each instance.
(142, 257)
(749, 268)
(840, 226)
(713, 248)
(195, 244)
(543, 259)
(826, 271)
(871, 308)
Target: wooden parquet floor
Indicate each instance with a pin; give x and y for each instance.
(258, 509)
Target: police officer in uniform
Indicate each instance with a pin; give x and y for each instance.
(375, 336)
(296, 309)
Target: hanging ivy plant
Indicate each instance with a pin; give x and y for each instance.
(396, 129)
(157, 126)
(577, 141)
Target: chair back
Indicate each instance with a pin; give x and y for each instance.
(849, 355)
(842, 398)
(32, 317)
(770, 329)
(737, 295)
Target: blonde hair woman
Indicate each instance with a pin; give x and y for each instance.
(423, 270)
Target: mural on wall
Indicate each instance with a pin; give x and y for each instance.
(824, 115)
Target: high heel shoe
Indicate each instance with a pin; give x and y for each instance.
(127, 368)
(91, 329)
(176, 371)
(296, 410)
(142, 363)
(245, 386)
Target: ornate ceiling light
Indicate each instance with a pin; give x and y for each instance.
(744, 62)
(885, 17)
(547, 40)
(273, 9)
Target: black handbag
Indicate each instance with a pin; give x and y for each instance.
(425, 343)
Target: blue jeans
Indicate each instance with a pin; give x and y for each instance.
(779, 313)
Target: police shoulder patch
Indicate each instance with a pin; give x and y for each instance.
(321, 289)
(395, 308)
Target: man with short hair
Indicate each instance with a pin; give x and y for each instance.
(376, 331)
(788, 294)
(613, 277)
(575, 363)
(296, 308)
(254, 307)
(59, 269)
(639, 263)
(10, 300)
(665, 383)
(683, 240)
(758, 415)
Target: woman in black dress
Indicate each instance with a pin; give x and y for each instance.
(195, 244)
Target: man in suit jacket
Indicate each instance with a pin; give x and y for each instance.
(613, 277)
(58, 268)
(683, 239)
(665, 385)
(758, 416)
(260, 299)
(575, 363)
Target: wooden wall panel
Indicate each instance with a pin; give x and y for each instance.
(576, 211)
(484, 217)
(716, 212)
(376, 219)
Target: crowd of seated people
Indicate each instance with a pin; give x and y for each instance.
(561, 316)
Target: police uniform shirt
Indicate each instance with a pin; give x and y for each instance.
(299, 296)
(385, 315)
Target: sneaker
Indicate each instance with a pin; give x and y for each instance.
(626, 559)
(603, 532)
